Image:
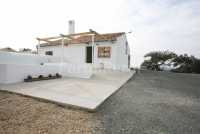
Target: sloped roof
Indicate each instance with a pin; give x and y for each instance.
(80, 38)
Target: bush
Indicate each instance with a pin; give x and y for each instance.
(49, 75)
(58, 75)
(29, 77)
(40, 76)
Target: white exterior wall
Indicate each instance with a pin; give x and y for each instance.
(119, 57)
(107, 63)
(72, 53)
(12, 73)
(18, 72)
(2, 73)
(22, 58)
(76, 53)
(15, 67)
(122, 56)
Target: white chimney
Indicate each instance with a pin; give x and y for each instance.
(71, 27)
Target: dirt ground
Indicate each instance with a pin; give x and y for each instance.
(23, 115)
(150, 103)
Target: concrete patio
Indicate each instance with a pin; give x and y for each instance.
(81, 93)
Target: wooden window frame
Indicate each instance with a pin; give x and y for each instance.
(104, 52)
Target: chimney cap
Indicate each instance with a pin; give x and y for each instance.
(71, 27)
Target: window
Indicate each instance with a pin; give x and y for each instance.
(49, 53)
(104, 52)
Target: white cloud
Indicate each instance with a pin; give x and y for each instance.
(156, 25)
(166, 25)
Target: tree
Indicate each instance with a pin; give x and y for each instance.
(196, 66)
(182, 63)
(189, 64)
(157, 58)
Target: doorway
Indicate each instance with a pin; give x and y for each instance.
(89, 54)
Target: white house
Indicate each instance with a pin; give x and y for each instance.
(72, 55)
(109, 51)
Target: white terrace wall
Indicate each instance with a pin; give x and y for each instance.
(12, 73)
(76, 70)
(22, 58)
(15, 67)
(18, 72)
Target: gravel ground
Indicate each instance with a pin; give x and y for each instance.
(154, 103)
(23, 115)
(150, 103)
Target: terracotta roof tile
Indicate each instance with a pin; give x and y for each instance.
(8, 49)
(81, 38)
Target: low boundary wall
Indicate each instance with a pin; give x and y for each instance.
(12, 73)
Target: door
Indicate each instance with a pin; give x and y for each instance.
(89, 54)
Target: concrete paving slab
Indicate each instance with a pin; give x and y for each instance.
(82, 93)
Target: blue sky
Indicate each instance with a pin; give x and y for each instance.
(156, 24)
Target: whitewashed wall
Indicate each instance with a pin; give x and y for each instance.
(108, 63)
(12, 73)
(72, 53)
(15, 67)
(22, 58)
(18, 72)
(2, 73)
(122, 56)
(76, 70)
(76, 53)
